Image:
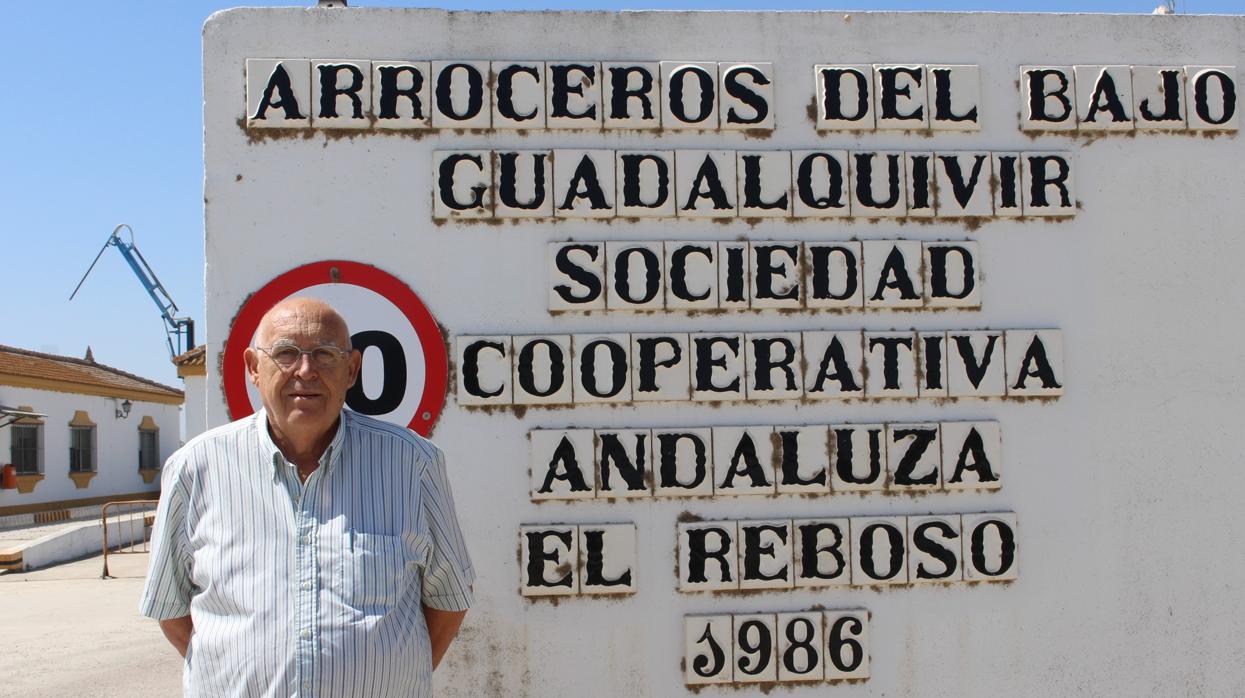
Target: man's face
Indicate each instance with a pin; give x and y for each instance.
(306, 398)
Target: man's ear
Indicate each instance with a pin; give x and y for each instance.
(355, 362)
(251, 358)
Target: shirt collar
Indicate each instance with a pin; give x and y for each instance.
(269, 450)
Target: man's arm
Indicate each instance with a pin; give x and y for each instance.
(178, 630)
(442, 627)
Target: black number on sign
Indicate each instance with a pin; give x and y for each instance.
(805, 643)
(711, 664)
(840, 647)
(393, 383)
(763, 648)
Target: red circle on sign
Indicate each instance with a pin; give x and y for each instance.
(436, 362)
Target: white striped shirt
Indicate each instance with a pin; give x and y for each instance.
(308, 589)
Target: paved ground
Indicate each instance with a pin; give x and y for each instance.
(66, 632)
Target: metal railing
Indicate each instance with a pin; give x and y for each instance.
(131, 525)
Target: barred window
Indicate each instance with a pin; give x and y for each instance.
(81, 449)
(148, 449)
(24, 448)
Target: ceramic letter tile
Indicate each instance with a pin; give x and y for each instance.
(754, 82)
(461, 94)
(583, 183)
(278, 93)
(892, 276)
(484, 370)
(974, 368)
(777, 270)
(523, 183)
(607, 560)
(1104, 97)
(904, 85)
(878, 184)
(519, 95)
(1034, 362)
(717, 366)
(601, 368)
(707, 650)
(633, 275)
(548, 560)
(1159, 101)
(1047, 98)
(683, 462)
(962, 181)
(660, 366)
(705, 184)
(542, 369)
(341, 94)
(847, 644)
(743, 461)
(764, 183)
(913, 457)
(801, 459)
(645, 183)
(708, 556)
(765, 554)
(561, 464)
(822, 551)
(631, 95)
(857, 457)
(1210, 108)
(568, 264)
(402, 94)
(954, 97)
(625, 467)
(850, 103)
(934, 549)
(1049, 185)
(692, 270)
(470, 191)
(833, 275)
(989, 547)
(879, 550)
(820, 182)
(573, 95)
(773, 366)
(971, 456)
(756, 648)
(799, 647)
(684, 88)
(952, 274)
(890, 361)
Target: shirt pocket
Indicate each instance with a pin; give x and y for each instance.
(377, 568)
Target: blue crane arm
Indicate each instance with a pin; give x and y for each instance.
(180, 328)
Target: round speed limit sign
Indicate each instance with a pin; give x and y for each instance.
(405, 368)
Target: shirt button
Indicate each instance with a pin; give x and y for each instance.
(306, 634)
(306, 585)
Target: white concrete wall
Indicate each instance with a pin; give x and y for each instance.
(116, 444)
(195, 415)
(1126, 488)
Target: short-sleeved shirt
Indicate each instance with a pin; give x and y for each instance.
(308, 589)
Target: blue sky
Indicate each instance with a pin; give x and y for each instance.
(100, 124)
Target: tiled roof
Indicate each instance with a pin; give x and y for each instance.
(22, 363)
(194, 357)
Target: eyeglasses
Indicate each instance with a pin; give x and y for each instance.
(287, 356)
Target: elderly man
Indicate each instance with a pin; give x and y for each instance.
(307, 550)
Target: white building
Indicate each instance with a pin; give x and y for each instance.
(192, 369)
(104, 435)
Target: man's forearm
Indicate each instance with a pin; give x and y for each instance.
(178, 631)
(442, 627)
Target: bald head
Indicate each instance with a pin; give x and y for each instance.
(300, 315)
